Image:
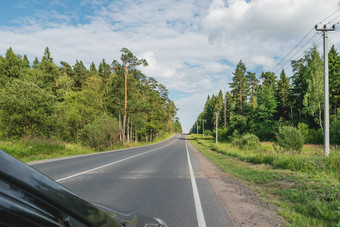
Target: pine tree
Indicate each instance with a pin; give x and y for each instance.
(253, 84)
(334, 80)
(269, 79)
(283, 88)
(239, 85)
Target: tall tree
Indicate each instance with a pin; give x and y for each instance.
(283, 88)
(227, 99)
(104, 70)
(253, 84)
(334, 80)
(80, 74)
(129, 61)
(268, 79)
(240, 84)
(298, 91)
(313, 99)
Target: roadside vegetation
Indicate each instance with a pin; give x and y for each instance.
(264, 104)
(304, 185)
(263, 123)
(34, 149)
(50, 109)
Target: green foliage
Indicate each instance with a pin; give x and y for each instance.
(290, 138)
(207, 132)
(48, 101)
(304, 130)
(102, 133)
(27, 109)
(32, 147)
(335, 131)
(304, 199)
(240, 85)
(315, 136)
(246, 141)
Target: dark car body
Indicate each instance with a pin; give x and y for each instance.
(29, 198)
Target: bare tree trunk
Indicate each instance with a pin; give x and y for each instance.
(125, 106)
(320, 117)
(128, 130)
(120, 126)
(225, 112)
(241, 99)
(136, 136)
(131, 131)
(146, 137)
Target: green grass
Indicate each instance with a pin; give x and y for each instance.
(38, 149)
(303, 197)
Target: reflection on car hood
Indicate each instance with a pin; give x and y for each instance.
(34, 182)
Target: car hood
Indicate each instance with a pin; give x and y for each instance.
(32, 181)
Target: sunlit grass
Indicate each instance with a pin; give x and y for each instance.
(304, 197)
(39, 149)
(311, 159)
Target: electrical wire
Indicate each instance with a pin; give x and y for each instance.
(305, 51)
(287, 61)
(293, 49)
(333, 19)
(296, 46)
(329, 16)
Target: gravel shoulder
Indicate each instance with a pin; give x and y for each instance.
(242, 204)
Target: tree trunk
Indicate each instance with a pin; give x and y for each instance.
(136, 136)
(252, 97)
(241, 99)
(131, 131)
(120, 127)
(320, 117)
(128, 130)
(125, 106)
(225, 112)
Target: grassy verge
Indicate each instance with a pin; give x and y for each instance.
(38, 149)
(304, 197)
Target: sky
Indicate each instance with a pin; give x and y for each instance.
(192, 46)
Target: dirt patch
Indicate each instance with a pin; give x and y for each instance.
(242, 204)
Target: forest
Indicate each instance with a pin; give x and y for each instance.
(261, 105)
(99, 107)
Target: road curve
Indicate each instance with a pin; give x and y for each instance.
(162, 180)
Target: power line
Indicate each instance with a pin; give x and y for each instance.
(333, 19)
(293, 49)
(308, 33)
(329, 16)
(297, 51)
(304, 51)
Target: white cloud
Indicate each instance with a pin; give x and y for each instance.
(192, 46)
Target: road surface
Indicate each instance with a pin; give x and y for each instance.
(162, 180)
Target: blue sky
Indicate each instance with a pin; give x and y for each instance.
(192, 46)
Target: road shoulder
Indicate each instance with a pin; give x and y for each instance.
(242, 204)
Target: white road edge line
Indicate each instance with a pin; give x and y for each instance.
(198, 205)
(112, 163)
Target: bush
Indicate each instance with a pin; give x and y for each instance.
(290, 138)
(207, 132)
(303, 127)
(102, 133)
(247, 141)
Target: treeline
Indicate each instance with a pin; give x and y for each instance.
(99, 106)
(261, 105)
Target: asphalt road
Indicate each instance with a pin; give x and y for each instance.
(154, 180)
